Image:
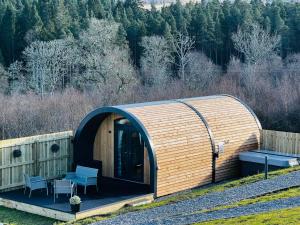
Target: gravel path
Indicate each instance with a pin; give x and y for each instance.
(229, 213)
(177, 210)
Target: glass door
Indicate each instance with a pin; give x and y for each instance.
(129, 152)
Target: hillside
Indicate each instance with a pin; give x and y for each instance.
(61, 61)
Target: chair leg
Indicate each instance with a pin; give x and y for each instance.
(47, 191)
(54, 197)
(24, 190)
(30, 193)
(85, 189)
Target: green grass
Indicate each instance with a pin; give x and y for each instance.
(84, 221)
(15, 217)
(277, 217)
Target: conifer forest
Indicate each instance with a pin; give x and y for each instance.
(59, 59)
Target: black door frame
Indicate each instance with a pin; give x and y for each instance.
(126, 128)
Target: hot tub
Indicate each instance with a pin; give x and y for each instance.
(253, 162)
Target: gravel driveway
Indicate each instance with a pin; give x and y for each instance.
(173, 212)
(229, 213)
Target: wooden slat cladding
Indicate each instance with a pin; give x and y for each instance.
(104, 148)
(233, 124)
(104, 145)
(180, 135)
(182, 145)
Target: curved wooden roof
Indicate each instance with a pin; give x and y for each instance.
(183, 135)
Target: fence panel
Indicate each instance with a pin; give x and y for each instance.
(279, 141)
(36, 158)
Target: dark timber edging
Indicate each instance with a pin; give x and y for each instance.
(211, 136)
(103, 209)
(83, 137)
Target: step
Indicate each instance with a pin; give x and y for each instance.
(138, 202)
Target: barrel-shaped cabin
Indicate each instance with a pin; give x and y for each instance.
(167, 146)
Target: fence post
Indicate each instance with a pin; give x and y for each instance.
(34, 158)
(266, 167)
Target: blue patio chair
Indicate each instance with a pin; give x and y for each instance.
(34, 183)
(83, 176)
(62, 187)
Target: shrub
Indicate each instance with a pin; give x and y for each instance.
(75, 200)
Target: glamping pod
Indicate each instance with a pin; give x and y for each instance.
(168, 146)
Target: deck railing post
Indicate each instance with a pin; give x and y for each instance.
(266, 167)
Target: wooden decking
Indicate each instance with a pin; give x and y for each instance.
(92, 204)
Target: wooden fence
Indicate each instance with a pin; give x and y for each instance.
(37, 157)
(281, 141)
(47, 155)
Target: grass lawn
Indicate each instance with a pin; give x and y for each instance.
(17, 217)
(282, 217)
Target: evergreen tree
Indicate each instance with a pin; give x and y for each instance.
(61, 19)
(45, 11)
(210, 23)
(72, 7)
(167, 32)
(179, 18)
(134, 34)
(121, 36)
(83, 14)
(277, 21)
(134, 4)
(7, 35)
(198, 27)
(1, 57)
(169, 18)
(23, 24)
(267, 23)
(227, 31)
(125, 20)
(210, 35)
(96, 7)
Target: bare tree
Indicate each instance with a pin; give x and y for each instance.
(156, 60)
(17, 79)
(201, 72)
(259, 50)
(292, 69)
(288, 92)
(107, 65)
(255, 43)
(3, 80)
(31, 36)
(235, 68)
(23, 115)
(46, 63)
(289, 82)
(182, 46)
